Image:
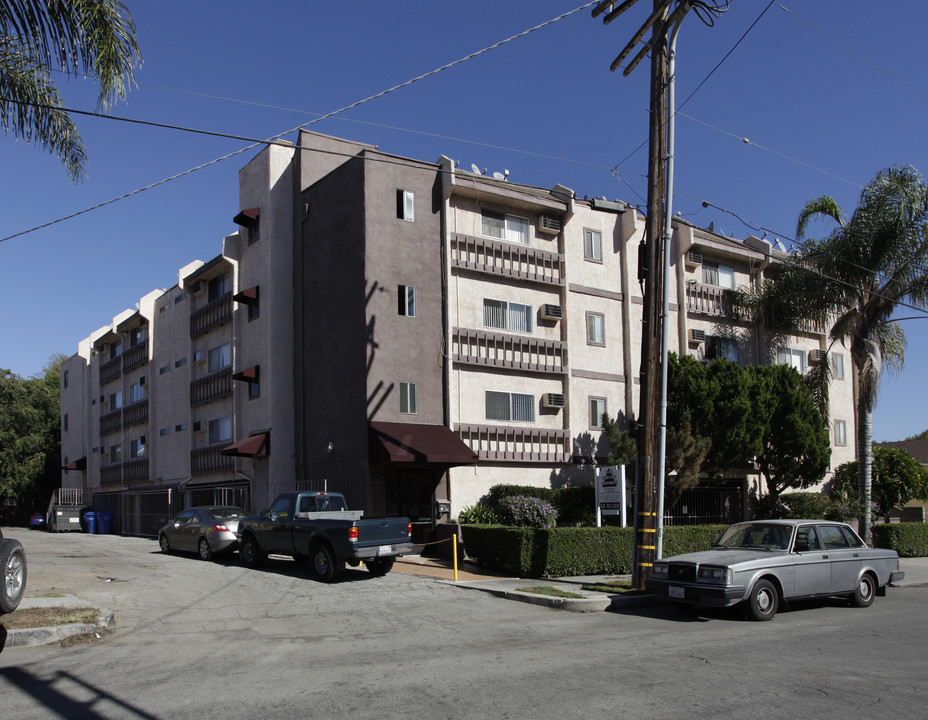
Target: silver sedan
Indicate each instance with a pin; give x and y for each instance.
(766, 563)
(205, 530)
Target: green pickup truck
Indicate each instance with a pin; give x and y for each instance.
(319, 527)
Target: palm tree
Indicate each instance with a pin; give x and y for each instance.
(855, 279)
(96, 37)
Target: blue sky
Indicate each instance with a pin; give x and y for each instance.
(828, 92)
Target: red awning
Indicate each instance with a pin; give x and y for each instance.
(409, 443)
(79, 464)
(247, 296)
(247, 217)
(252, 446)
(248, 374)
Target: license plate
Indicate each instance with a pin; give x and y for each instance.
(385, 550)
(676, 592)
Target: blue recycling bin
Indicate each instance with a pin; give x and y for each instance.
(104, 522)
(90, 520)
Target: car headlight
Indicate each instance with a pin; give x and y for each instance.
(716, 575)
(659, 570)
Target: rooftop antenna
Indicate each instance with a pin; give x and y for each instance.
(474, 169)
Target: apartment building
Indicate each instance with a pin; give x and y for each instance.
(408, 333)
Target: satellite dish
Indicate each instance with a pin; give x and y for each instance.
(498, 176)
(474, 169)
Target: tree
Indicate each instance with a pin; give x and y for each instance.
(852, 281)
(30, 437)
(96, 37)
(897, 478)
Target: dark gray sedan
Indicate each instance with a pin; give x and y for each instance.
(765, 564)
(206, 530)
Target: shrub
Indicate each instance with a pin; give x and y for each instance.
(525, 511)
(805, 505)
(574, 505)
(907, 539)
(478, 515)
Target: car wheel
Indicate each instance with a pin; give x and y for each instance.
(250, 553)
(13, 567)
(322, 563)
(204, 550)
(863, 594)
(380, 566)
(165, 545)
(762, 604)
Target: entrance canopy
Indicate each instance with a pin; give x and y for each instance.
(252, 446)
(410, 443)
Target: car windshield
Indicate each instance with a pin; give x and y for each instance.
(226, 513)
(755, 535)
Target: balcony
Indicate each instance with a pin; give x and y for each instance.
(111, 370)
(136, 470)
(516, 352)
(708, 300)
(212, 315)
(517, 444)
(135, 356)
(214, 386)
(504, 259)
(135, 414)
(111, 422)
(111, 474)
(210, 460)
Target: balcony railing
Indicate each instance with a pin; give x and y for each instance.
(135, 356)
(214, 386)
(517, 444)
(135, 414)
(210, 460)
(518, 352)
(507, 259)
(110, 370)
(215, 313)
(136, 470)
(708, 300)
(111, 474)
(111, 422)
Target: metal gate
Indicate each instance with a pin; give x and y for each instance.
(710, 505)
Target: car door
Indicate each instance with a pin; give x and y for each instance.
(180, 537)
(276, 527)
(812, 570)
(845, 558)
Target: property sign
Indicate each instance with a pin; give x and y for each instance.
(610, 492)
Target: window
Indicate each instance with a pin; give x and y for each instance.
(722, 347)
(164, 431)
(507, 316)
(65, 424)
(718, 275)
(165, 369)
(504, 227)
(220, 357)
(181, 362)
(115, 350)
(137, 336)
(254, 389)
(593, 245)
(219, 286)
(115, 453)
(408, 398)
(840, 432)
(220, 429)
(595, 329)
(137, 448)
(254, 309)
(180, 298)
(116, 400)
(833, 538)
(179, 428)
(792, 357)
(405, 205)
(510, 406)
(254, 230)
(136, 392)
(837, 366)
(597, 410)
(406, 300)
(64, 379)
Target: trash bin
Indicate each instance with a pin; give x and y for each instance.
(104, 522)
(90, 519)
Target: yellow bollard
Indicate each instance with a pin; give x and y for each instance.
(454, 554)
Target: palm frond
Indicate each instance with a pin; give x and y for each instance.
(824, 207)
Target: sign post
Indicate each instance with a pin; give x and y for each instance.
(610, 493)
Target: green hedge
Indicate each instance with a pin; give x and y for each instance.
(573, 504)
(907, 539)
(564, 551)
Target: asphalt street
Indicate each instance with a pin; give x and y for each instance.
(215, 640)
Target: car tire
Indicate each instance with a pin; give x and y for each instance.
(762, 603)
(203, 549)
(864, 592)
(380, 566)
(322, 563)
(12, 574)
(164, 543)
(250, 553)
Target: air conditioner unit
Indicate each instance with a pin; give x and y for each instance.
(697, 335)
(693, 259)
(548, 224)
(551, 312)
(554, 400)
(817, 356)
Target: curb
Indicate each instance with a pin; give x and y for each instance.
(32, 637)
